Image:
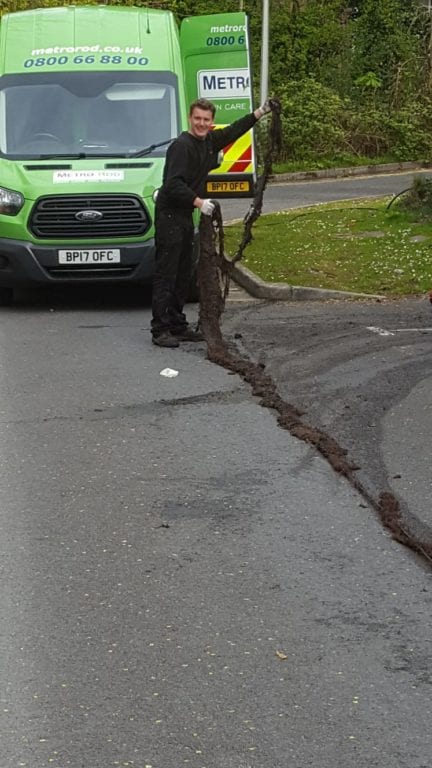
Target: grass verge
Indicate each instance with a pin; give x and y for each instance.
(357, 245)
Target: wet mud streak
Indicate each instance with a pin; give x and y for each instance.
(212, 276)
(214, 270)
(290, 418)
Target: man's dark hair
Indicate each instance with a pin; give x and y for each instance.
(202, 104)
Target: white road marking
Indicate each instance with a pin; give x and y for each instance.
(379, 331)
(385, 332)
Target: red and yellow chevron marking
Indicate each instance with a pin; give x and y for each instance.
(237, 156)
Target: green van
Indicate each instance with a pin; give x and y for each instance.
(90, 98)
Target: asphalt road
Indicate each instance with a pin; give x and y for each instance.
(284, 196)
(361, 372)
(381, 352)
(184, 582)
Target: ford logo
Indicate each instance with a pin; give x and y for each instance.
(89, 215)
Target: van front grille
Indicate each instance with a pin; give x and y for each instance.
(58, 217)
(85, 273)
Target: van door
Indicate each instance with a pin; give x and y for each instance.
(216, 59)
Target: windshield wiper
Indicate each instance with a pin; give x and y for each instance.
(80, 156)
(147, 150)
(60, 156)
(85, 155)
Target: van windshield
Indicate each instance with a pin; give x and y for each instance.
(86, 113)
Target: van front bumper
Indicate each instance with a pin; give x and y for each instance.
(23, 263)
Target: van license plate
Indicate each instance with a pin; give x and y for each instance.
(227, 186)
(92, 256)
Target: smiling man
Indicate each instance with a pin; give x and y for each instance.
(189, 159)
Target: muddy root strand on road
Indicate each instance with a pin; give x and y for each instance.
(214, 266)
(274, 145)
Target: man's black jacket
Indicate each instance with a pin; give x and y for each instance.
(188, 162)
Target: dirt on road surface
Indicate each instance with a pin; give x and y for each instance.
(249, 364)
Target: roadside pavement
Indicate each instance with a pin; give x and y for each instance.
(359, 170)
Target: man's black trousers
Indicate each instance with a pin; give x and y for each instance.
(174, 250)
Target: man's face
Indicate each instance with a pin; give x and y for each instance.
(200, 122)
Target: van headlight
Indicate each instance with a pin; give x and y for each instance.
(10, 202)
(155, 194)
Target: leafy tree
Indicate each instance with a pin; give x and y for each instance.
(387, 44)
(353, 75)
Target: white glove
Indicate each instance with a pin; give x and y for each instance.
(270, 105)
(207, 207)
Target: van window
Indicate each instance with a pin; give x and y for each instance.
(88, 112)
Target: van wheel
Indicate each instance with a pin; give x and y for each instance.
(6, 296)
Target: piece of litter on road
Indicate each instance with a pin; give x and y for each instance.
(379, 331)
(169, 373)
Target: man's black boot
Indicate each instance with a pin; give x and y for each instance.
(165, 339)
(187, 334)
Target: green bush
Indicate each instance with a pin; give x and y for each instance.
(318, 124)
(417, 200)
(311, 120)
